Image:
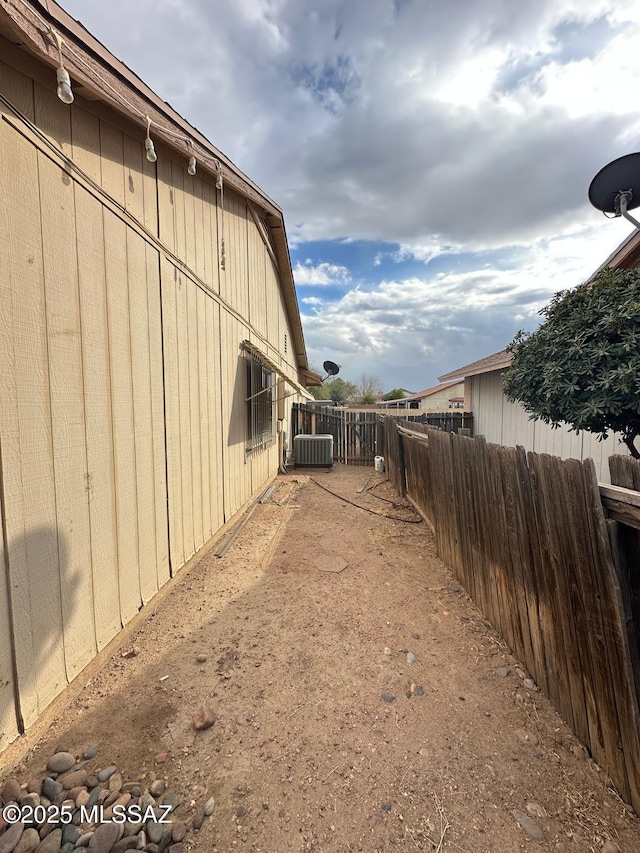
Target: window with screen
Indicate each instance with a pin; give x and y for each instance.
(260, 403)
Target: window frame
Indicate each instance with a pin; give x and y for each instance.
(261, 383)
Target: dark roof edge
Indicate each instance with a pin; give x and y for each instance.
(625, 256)
(496, 361)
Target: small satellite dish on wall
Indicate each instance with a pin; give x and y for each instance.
(616, 188)
(331, 368)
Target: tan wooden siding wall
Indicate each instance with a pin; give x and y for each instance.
(503, 422)
(115, 320)
(439, 400)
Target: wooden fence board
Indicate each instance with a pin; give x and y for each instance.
(501, 526)
(450, 421)
(463, 516)
(617, 661)
(625, 538)
(558, 636)
(527, 558)
(578, 598)
(527, 537)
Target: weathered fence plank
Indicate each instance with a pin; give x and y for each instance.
(445, 421)
(526, 555)
(625, 473)
(528, 538)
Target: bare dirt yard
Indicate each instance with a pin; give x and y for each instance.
(360, 700)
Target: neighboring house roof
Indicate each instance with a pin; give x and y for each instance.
(497, 361)
(421, 394)
(98, 76)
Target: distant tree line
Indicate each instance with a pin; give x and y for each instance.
(366, 392)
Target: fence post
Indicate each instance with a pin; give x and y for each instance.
(403, 470)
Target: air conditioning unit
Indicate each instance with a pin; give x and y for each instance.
(313, 451)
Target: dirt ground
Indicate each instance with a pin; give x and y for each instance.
(306, 623)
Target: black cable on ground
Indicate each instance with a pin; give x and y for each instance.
(379, 497)
(366, 509)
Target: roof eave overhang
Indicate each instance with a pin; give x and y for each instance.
(468, 371)
(625, 256)
(311, 379)
(34, 38)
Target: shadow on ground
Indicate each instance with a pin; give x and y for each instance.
(326, 737)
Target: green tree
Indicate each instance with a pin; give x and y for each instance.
(341, 391)
(321, 392)
(394, 394)
(582, 366)
(367, 399)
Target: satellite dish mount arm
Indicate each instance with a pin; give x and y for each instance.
(621, 201)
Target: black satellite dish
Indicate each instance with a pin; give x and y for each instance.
(616, 187)
(332, 368)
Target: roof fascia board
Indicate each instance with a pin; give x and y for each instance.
(469, 370)
(118, 76)
(625, 256)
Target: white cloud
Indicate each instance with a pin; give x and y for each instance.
(443, 128)
(409, 331)
(320, 275)
(377, 120)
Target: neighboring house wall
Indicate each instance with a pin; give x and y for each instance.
(439, 400)
(503, 422)
(430, 400)
(122, 379)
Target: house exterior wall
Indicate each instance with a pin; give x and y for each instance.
(503, 422)
(122, 383)
(439, 400)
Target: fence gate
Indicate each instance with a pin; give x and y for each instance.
(354, 432)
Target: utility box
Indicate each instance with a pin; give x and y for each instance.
(313, 451)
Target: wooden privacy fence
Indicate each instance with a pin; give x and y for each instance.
(446, 421)
(359, 435)
(528, 538)
(354, 432)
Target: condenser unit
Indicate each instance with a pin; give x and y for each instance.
(313, 451)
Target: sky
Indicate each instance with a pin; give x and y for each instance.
(432, 158)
